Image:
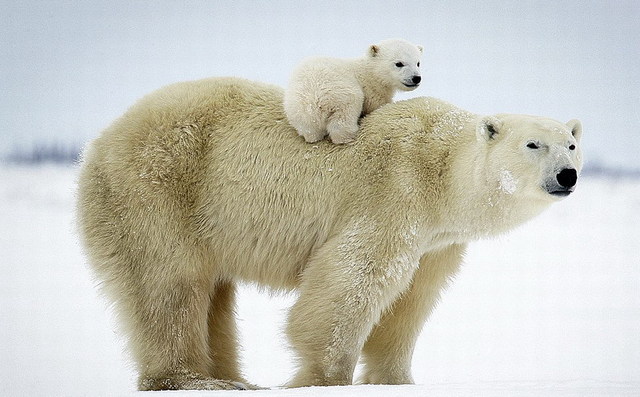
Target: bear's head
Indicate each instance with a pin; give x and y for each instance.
(539, 158)
(397, 63)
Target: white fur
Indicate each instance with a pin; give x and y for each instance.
(191, 191)
(328, 95)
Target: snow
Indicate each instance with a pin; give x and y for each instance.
(508, 183)
(549, 309)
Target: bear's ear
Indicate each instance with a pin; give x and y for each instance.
(420, 48)
(374, 50)
(488, 128)
(576, 129)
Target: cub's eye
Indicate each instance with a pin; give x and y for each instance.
(532, 145)
(399, 64)
(418, 65)
(572, 147)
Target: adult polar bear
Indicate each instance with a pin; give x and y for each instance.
(203, 184)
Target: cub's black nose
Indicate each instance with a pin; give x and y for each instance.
(567, 177)
(416, 79)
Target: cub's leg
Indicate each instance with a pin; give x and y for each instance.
(170, 336)
(388, 351)
(345, 288)
(342, 125)
(306, 117)
(311, 128)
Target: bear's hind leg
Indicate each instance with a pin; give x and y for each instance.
(170, 338)
(223, 341)
(311, 128)
(308, 120)
(342, 125)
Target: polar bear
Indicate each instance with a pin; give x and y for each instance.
(190, 192)
(328, 95)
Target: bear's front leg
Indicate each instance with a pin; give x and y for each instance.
(345, 288)
(388, 351)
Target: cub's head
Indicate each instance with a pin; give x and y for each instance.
(533, 157)
(397, 62)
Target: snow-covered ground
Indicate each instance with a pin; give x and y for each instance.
(551, 309)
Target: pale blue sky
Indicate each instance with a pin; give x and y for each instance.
(68, 68)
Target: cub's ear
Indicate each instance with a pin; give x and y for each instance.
(488, 128)
(576, 129)
(420, 48)
(374, 50)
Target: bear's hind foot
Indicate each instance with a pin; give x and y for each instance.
(191, 382)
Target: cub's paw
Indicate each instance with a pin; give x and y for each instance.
(344, 138)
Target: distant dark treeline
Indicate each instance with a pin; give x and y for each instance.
(58, 153)
(600, 170)
(55, 153)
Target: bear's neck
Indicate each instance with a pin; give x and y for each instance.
(376, 91)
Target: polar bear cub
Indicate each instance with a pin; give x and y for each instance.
(327, 96)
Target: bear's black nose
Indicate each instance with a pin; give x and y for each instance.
(567, 177)
(416, 79)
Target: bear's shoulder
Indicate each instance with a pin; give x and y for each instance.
(426, 113)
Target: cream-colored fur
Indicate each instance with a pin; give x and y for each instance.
(328, 95)
(204, 184)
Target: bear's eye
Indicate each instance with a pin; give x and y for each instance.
(572, 147)
(399, 64)
(532, 145)
(418, 65)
